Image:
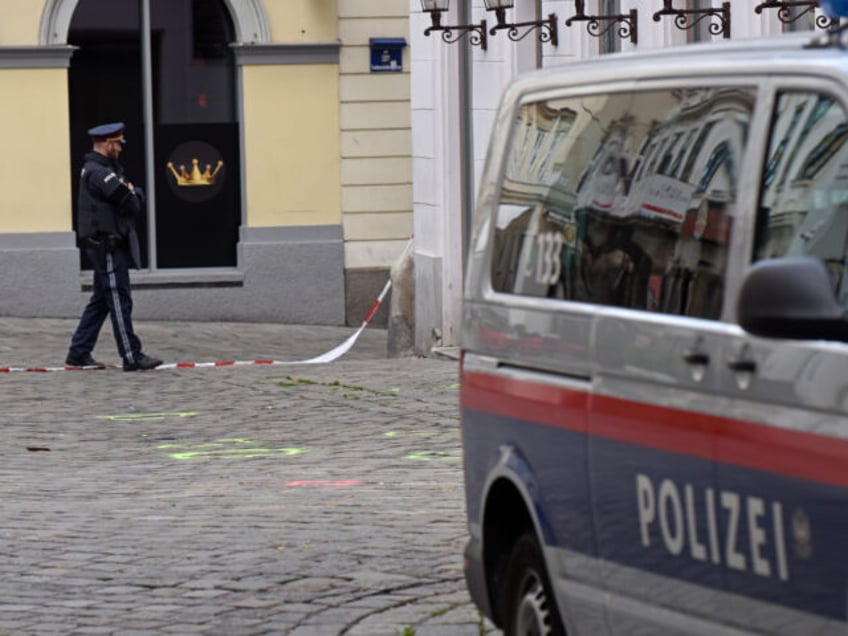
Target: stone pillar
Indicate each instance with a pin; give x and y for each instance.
(401, 337)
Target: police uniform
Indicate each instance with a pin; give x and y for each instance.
(106, 219)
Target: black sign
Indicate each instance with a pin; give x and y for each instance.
(198, 200)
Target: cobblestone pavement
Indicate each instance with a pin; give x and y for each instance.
(290, 499)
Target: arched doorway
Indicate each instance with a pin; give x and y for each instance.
(185, 146)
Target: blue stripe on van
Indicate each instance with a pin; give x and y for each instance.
(774, 538)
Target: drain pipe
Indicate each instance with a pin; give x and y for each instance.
(466, 130)
(147, 79)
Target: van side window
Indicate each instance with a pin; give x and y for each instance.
(623, 199)
(803, 208)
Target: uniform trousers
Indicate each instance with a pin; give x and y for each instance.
(112, 297)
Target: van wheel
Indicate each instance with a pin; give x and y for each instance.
(529, 605)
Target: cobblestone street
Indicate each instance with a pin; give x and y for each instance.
(264, 499)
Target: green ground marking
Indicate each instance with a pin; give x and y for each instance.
(227, 448)
(428, 456)
(133, 417)
(238, 453)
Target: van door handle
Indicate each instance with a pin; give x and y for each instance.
(697, 361)
(741, 365)
(696, 357)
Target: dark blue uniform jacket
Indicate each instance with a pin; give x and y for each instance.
(108, 209)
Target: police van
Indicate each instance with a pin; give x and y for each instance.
(655, 346)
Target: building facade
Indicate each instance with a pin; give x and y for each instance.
(456, 89)
(275, 156)
(289, 148)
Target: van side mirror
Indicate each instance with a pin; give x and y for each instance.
(791, 298)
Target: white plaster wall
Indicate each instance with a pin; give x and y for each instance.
(435, 168)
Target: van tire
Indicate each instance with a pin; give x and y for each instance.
(529, 605)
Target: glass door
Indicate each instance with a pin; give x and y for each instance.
(195, 209)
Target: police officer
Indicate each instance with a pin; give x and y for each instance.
(108, 208)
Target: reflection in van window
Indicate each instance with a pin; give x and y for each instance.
(805, 212)
(696, 150)
(592, 208)
(669, 155)
(720, 158)
(675, 168)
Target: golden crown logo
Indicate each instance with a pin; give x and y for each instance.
(195, 177)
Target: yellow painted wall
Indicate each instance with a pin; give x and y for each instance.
(376, 136)
(289, 20)
(21, 22)
(291, 124)
(302, 20)
(291, 142)
(35, 162)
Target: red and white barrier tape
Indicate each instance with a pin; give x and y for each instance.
(331, 355)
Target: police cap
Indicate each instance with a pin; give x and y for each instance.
(108, 132)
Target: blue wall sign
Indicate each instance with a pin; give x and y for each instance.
(387, 55)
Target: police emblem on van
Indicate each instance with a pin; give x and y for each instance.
(802, 534)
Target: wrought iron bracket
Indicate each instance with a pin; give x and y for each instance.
(784, 11)
(627, 23)
(477, 33)
(685, 19)
(548, 31)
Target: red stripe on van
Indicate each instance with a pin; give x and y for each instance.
(524, 400)
(674, 430)
(748, 444)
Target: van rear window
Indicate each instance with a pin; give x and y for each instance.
(623, 199)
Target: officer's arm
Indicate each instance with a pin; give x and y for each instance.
(126, 202)
(119, 195)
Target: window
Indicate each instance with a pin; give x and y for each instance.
(612, 223)
(700, 31)
(196, 215)
(804, 211)
(799, 18)
(610, 41)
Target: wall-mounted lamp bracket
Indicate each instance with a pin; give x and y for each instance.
(784, 11)
(548, 31)
(685, 19)
(626, 23)
(477, 34)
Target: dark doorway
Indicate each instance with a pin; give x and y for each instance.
(195, 150)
